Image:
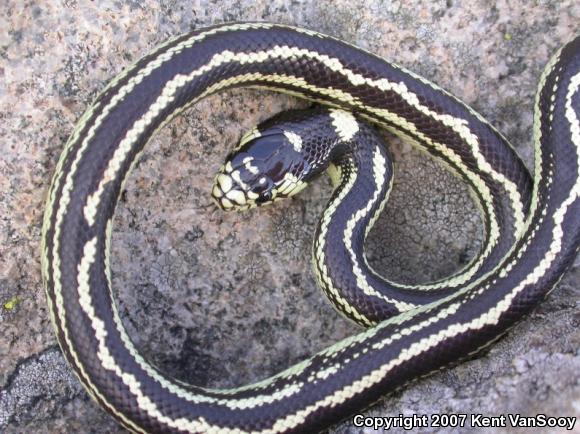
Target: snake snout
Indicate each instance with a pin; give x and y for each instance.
(228, 194)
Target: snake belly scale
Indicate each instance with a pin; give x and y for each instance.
(532, 227)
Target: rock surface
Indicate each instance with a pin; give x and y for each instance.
(223, 299)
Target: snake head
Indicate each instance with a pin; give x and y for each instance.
(265, 167)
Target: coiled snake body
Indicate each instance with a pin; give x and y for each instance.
(532, 226)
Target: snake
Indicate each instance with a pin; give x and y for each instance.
(532, 229)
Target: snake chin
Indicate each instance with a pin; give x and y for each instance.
(228, 195)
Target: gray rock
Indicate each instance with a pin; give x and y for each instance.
(224, 299)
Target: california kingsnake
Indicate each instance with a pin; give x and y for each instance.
(533, 229)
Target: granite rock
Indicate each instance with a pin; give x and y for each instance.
(224, 299)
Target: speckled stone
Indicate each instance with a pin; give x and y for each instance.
(224, 299)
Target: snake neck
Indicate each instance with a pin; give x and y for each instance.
(361, 172)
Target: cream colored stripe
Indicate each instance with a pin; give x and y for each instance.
(379, 172)
(58, 308)
(50, 206)
(537, 129)
(319, 258)
(458, 125)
